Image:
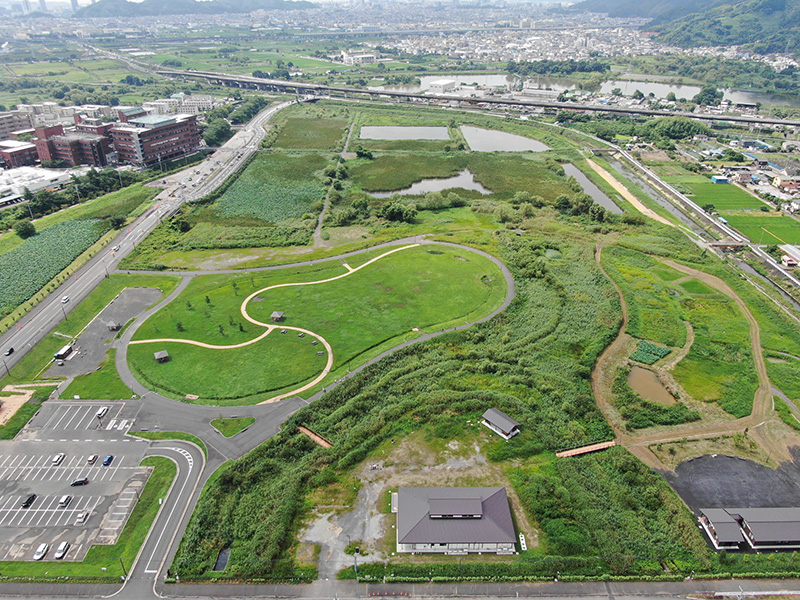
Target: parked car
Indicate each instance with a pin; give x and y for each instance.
(108, 460)
(58, 459)
(92, 459)
(102, 412)
(41, 551)
(28, 502)
(9, 352)
(81, 519)
(65, 299)
(61, 550)
(80, 481)
(64, 501)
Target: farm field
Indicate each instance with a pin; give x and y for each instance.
(312, 134)
(383, 300)
(722, 196)
(766, 229)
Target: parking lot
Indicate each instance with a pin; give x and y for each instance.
(98, 510)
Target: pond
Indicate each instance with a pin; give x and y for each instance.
(373, 132)
(645, 383)
(489, 140)
(589, 188)
(464, 180)
(689, 91)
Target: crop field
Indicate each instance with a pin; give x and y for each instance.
(312, 134)
(273, 188)
(42, 257)
(766, 229)
(724, 196)
(423, 287)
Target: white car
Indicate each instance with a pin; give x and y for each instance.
(41, 551)
(61, 551)
(81, 519)
(65, 299)
(58, 459)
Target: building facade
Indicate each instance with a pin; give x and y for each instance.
(148, 141)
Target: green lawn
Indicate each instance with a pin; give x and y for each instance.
(171, 435)
(102, 384)
(423, 287)
(230, 427)
(766, 229)
(102, 563)
(312, 134)
(275, 363)
(724, 196)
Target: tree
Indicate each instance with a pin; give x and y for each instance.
(708, 95)
(709, 208)
(638, 95)
(217, 133)
(671, 97)
(362, 152)
(616, 92)
(24, 228)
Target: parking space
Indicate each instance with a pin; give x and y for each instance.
(96, 511)
(62, 421)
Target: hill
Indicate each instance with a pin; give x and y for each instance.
(765, 25)
(154, 8)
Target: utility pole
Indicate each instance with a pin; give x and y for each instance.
(122, 564)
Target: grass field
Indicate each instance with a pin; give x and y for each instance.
(312, 134)
(272, 364)
(102, 384)
(230, 427)
(102, 563)
(414, 288)
(722, 196)
(766, 229)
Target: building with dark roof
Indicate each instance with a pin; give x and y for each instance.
(147, 141)
(500, 423)
(454, 520)
(752, 528)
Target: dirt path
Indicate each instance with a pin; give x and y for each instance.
(318, 241)
(761, 424)
(623, 191)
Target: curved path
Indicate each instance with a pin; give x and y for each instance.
(160, 413)
(639, 442)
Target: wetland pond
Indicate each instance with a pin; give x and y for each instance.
(489, 140)
(591, 189)
(645, 383)
(464, 180)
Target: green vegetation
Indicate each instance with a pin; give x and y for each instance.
(230, 427)
(42, 257)
(102, 384)
(640, 413)
(24, 413)
(654, 312)
(171, 435)
(102, 563)
(722, 196)
(424, 287)
(648, 352)
(766, 229)
(312, 134)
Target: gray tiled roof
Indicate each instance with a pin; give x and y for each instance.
(415, 525)
(500, 419)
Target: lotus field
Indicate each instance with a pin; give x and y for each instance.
(27, 269)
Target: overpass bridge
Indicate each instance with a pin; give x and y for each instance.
(315, 89)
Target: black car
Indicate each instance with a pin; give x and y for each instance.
(28, 501)
(81, 481)
(9, 352)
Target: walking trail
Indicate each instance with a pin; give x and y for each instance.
(269, 327)
(760, 424)
(625, 193)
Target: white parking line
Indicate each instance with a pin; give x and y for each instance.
(53, 503)
(58, 411)
(10, 466)
(11, 499)
(21, 468)
(91, 417)
(7, 458)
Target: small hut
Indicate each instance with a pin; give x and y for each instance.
(277, 316)
(161, 356)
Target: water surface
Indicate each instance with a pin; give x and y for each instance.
(591, 189)
(489, 140)
(374, 132)
(464, 180)
(645, 383)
